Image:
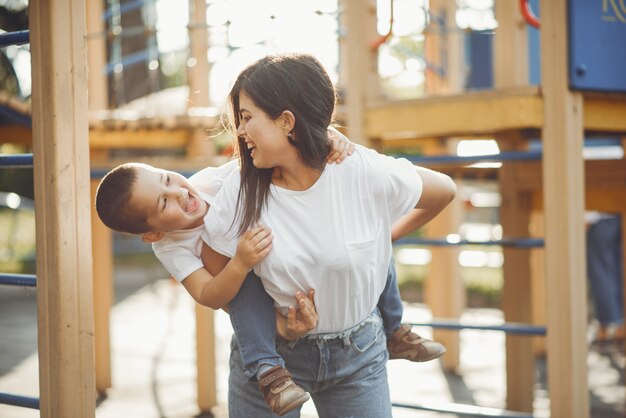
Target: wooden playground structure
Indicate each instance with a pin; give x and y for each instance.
(543, 198)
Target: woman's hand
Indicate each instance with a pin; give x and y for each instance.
(341, 146)
(299, 320)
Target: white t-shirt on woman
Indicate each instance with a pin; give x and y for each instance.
(334, 237)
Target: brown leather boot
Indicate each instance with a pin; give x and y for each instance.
(280, 392)
(405, 344)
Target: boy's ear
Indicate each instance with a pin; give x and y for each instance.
(152, 236)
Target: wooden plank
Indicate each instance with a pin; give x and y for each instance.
(598, 174)
(564, 185)
(102, 250)
(61, 171)
(605, 113)
(141, 138)
(470, 113)
(16, 134)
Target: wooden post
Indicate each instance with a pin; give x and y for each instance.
(102, 250)
(564, 202)
(444, 49)
(97, 55)
(444, 288)
(61, 170)
(358, 64)
(511, 70)
(205, 352)
(201, 147)
(516, 291)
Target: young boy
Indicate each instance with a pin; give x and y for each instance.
(168, 210)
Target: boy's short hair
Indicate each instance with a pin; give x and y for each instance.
(113, 196)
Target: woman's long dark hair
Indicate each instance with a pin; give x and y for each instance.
(294, 82)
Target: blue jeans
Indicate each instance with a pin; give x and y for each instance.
(345, 373)
(605, 271)
(254, 323)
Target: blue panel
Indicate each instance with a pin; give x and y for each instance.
(480, 51)
(597, 45)
(534, 48)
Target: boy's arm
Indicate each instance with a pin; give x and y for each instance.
(340, 146)
(437, 191)
(218, 289)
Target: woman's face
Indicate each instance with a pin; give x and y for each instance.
(266, 139)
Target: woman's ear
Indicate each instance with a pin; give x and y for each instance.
(288, 121)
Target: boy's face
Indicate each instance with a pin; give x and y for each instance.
(166, 200)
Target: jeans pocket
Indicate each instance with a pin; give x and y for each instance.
(363, 338)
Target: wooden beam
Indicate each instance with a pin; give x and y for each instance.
(564, 186)
(16, 134)
(471, 113)
(141, 138)
(605, 113)
(61, 171)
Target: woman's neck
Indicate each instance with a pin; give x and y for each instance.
(295, 178)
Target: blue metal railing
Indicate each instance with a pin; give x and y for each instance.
(14, 38)
(19, 400)
(16, 161)
(29, 280)
(19, 160)
(508, 327)
(505, 242)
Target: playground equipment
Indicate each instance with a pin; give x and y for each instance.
(512, 113)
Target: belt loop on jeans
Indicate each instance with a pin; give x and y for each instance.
(291, 344)
(346, 341)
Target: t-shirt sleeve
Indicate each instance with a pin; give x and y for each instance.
(220, 230)
(180, 253)
(401, 184)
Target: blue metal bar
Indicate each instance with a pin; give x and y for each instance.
(18, 279)
(467, 410)
(16, 116)
(455, 159)
(16, 160)
(19, 400)
(505, 242)
(139, 57)
(508, 327)
(14, 38)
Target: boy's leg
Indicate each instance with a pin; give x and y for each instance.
(402, 343)
(254, 322)
(389, 303)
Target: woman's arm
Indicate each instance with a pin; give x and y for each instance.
(437, 191)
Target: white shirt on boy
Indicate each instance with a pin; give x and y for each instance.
(180, 251)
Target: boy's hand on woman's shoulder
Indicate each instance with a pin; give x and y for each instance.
(341, 146)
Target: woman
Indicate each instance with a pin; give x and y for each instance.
(333, 226)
